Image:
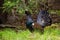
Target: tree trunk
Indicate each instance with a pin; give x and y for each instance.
(1, 10)
(1, 5)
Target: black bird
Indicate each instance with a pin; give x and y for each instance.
(44, 19)
(29, 21)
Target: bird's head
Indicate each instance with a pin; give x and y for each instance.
(27, 13)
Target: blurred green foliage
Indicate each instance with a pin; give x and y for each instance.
(33, 5)
(10, 4)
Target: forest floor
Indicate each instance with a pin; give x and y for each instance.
(50, 33)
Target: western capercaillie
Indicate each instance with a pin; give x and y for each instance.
(29, 21)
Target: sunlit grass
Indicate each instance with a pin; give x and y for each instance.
(50, 33)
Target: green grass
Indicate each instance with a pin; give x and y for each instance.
(50, 33)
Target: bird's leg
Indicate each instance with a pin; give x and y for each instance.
(42, 29)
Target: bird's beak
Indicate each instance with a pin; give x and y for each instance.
(32, 24)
